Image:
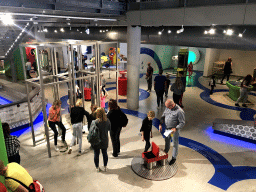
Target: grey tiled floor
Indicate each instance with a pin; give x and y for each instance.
(63, 172)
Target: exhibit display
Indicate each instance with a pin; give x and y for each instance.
(239, 129)
(234, 89)
(153, 165)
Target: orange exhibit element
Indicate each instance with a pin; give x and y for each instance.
(112, 55)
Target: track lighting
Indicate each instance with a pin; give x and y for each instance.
(229, 32)
(180, 30)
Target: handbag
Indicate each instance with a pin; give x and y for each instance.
(36, 186)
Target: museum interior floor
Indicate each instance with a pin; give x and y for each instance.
(206, 161)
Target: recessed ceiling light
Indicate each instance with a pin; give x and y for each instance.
(159, 33)
(55, 31)
(169, 31)
(230, 32)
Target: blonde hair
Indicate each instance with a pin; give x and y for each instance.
(151, 114)
(100, 114)
(79, 102)
(55, 103)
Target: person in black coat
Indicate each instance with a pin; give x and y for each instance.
(146, 129)
(114, 115)
(77, 114)
(227, 69)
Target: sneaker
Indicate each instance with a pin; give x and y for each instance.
(172, 161)
(244, 105)
(97, 169)
(236, 104)
(105, 169)
(70, 150)
(80, 153)
(56, 148)
(158, 107)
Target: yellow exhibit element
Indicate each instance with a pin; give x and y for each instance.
(104, 59)
(181, 69)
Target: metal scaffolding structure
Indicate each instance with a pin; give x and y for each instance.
(53, 78)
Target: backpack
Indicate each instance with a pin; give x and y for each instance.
(123, 119)
(94, 134)
(36, 186)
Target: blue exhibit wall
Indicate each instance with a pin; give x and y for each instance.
(165, 54)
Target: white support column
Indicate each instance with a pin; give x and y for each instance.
(133, 66)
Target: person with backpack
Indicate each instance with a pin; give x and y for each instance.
(98, 137)
(17, 179)
(77, 115)
(177, 88)
(118, 120)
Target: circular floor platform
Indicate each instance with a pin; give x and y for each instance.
(157, 174)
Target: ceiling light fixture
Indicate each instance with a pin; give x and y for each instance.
(55, 31)
(62, 30)
(229, 32)
(180, 30)
(100, 31)
(241, 34)
(7, 19)
(169, 31)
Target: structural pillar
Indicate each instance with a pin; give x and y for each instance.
(133, 66)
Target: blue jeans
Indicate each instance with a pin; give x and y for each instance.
(97, 154)
(77, 132)
(175, 139)
(243, 95)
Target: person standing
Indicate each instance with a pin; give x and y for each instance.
(177, 88)
(146, 129)
(190, 69)
(114, 115)
(244, 90)
(174, 119)
(168, 81)
(149, 75)
(212, 83)
(28, 67)
(77, 115)
(53, 120)
(16, 171)
(12, 144)
(160, 86)
(227, 69)
(104, 125)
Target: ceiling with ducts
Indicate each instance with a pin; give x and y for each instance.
(74, 17)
